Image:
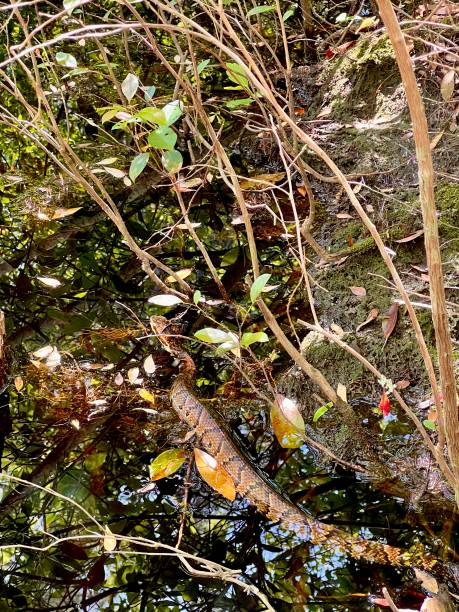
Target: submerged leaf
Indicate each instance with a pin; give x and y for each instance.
(214, 474)
(287, 422)
(167, 463)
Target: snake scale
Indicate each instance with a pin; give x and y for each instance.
(249, 482)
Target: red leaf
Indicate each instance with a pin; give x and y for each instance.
(384, 404)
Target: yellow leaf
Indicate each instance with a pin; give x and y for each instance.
(18, 383)
(214, 474)
(367, 24)
(147, 396)
(182, 274)
(109, 541)
(60, 213)
(167, 463)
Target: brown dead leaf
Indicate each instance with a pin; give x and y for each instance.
(214, 474)
(344, 216)
(422, 269)
(390, 320)
(410, 237)
(425, 277)
(260, 180)
(374, 312)
(402, 384)
(436, 139)
(358, 291)
(338, 330)
(341, 392)
(447, 85)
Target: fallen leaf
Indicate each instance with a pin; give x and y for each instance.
(374, 312)
(402, 384)
(447, 85)
(149, 365)
(43, 352)
(410, 237)
(422, 269)
(390, 320)
(118, 380)
(425, 278)
(358, 291)
(344, 216)
(436, 139)
(287, 422)
(53, 359)
(336, 329)
(214, 474)
(133, 375)
(428, 582)
(367, 23)
(18, 383)
(147, 396)
(341, 392)
(256, 182)
(167, 463)
(60, 213)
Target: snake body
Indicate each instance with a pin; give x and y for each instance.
(249, 482)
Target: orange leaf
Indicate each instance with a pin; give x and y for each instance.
(287, 422)
(214, 474)
(371, 317)
(167, 463)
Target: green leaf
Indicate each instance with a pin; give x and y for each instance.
(236, 73)
(249, 338)
(288, 14)
(70, 5)
(149, 92)
(321, 411)
(212, 335)
(429, 425)
(172, 161)
(233, 104)
(167, 463)
(138, 165)
(203, 65)
(257, 10)
(162, 138)
(151, 115)
(66, 59)
(172, 111)
(257, 286)
(110, 113)
(130, 85)
(197, 296)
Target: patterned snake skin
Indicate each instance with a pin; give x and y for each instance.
(250, 483)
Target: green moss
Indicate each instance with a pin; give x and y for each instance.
(377, 50)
